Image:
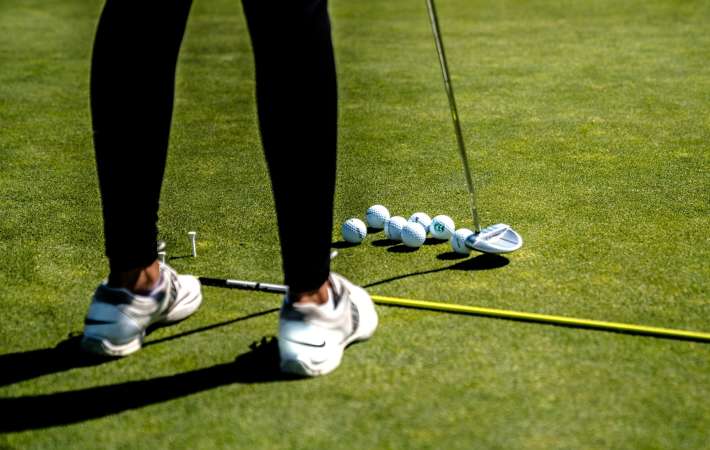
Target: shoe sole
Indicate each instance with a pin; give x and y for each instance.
(104, 347)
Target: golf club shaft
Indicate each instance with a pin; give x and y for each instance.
(487, 312)
(245, 285)
(454, 112)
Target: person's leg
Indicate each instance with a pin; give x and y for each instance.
(132, 83)
(297, 103)
(297, 107)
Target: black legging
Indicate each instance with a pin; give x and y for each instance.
(132, 87)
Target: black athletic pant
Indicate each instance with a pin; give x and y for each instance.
(132, 86)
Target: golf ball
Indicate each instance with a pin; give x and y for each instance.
(354, 230)
(422, 219)
(393, 228)
(458, 241)
(413, 234)
(376, 216)
(442, 227)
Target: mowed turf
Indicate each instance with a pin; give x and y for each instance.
(588, 128)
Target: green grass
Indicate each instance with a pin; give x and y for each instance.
(588, 127)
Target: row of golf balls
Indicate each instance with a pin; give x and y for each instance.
(412, 232)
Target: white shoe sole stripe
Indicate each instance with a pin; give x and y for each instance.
(183, 307)
(104, 347)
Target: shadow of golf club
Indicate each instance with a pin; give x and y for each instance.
(259, 365)
(480, 262)
(172, 258)
(23, 366)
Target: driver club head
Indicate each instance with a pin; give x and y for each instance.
(496, 239)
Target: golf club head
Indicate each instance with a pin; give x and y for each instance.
(496, 239)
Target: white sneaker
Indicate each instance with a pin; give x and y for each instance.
(117, 319)
(312, 338)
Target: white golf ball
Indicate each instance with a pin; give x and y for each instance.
(413, 234)
(458, 241)
(393, 228)
(442, 227)
(422, 219)
(354, 230)
(376, 216)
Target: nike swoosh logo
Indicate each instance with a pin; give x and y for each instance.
(307, 343)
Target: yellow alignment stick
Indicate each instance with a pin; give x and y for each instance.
(544, 318)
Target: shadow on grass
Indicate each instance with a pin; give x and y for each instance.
(259, 365)
(210, 327)
(451, 256)
(343, 244)
(172, 258)
(401, 248)
(480, 262)
(67, 355)
(384, 243)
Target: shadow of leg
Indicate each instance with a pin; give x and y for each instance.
(22, 366)
(259, 365)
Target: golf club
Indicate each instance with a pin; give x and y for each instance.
(486, 312)
(251, 285)
(499, 238)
